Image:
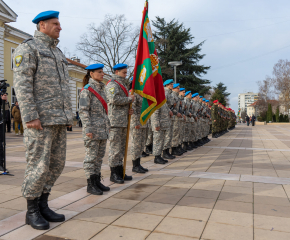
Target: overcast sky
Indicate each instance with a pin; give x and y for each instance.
(243, 39)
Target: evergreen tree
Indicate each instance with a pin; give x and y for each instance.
(218, 96)
(277, 114)
(269, 113)
(174, 43)
(221, 86)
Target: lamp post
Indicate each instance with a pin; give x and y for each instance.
(175, 64)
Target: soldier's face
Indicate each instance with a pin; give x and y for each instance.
(182, 93)
(177, 89)
(122, 73)
(189, 96)
(98, 75)
(170, 86)
(51, 27)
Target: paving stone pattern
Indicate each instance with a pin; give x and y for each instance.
(234, 187)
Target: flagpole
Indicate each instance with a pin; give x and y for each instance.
(127, 140)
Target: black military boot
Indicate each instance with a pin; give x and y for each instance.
(193, 145)
(100, 185)
(166, 154)
(137, 167)
(175, 151)
(115, 176)
(183, 147)
(34, 217)
(144, 154)
(144, 169)
(46, 212)
(92, 187)
(188, 146)
(121, 170)
(149, 149)
(159, 160)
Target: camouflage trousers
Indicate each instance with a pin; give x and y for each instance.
(149, 139)
(45, 157)
(182, 130)
(117, 138)
(187, 132)
(175, 133)
(198, 129)
(95, 152)
(168, 138)
(192, 132)
(215, 127)
(158, 141)
(138, 137)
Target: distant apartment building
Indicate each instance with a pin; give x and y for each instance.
(245, 100)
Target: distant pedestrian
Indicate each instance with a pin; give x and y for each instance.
(247, 120)
(253, 120)
(17, 119)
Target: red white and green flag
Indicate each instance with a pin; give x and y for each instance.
(147, 79)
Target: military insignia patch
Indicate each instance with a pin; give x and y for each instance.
(112, 90)
(18, 60)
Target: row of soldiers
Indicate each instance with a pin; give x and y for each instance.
(223, 119)
(184, 123)
(41, 81)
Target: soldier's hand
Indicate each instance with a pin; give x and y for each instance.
(90, 135)
(133, 97)
(157, 128)
(178, 115)
(131, 111)
(34, 124)
(171, 113)
(137, 127)
(184, 117)
(214, 120)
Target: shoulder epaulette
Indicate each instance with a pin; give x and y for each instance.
(26, 40)
(87, 86)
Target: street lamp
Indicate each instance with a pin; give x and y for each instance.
(175, 64)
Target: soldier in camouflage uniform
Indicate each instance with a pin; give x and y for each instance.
(176, 110)
(138, 134)
(119, 102)
(194, 121)
(182, 120)
(96, 126)
(187, 132)
(149, 138)
(168, 86)
(215, 116)
(160, 122)
(41, 83)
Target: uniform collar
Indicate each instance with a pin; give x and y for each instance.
(176, 93)
(96, 84)
(51, 42)
(119, 79)
(167, 89)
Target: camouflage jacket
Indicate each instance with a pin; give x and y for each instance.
(92, 113)
(161, 118)
(182, 107)
(118, 102)
(176, 108)
(214, 114)
(187, 111)
(194, 108)
(137, 106)
(169, 99)
(41, 81)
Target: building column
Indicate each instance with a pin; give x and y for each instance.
(2, 52)
(73, 97)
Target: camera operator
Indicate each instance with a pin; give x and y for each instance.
(4, 98)
(7, 111)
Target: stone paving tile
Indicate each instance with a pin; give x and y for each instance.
(233, 206)
(153, 208)
(193, 213)
(260, 234)
(164, 236)
(118, 204)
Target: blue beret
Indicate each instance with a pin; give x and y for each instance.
(182, 89)
(195, 94)
(45, 15)
(201, 96)
(95, 66)
(131, 79)
(188, 92)
(168, 82)
(206, 100)
(203, 99)
(120, 66)
(175, 85)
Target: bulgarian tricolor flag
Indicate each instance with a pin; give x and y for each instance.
(147, 80)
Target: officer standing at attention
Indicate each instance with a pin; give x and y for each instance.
(96, 125)
(182, 120)
(138, 133)
(119, 101)
(41, 82)
(187, 132)
(168, 86)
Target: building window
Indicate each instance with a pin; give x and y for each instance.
(12, 51)
(13, 95)
(79, 91)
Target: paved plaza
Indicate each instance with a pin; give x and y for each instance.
(236, 187)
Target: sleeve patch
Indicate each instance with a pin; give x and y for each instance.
(18, 60)
(112, 90)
